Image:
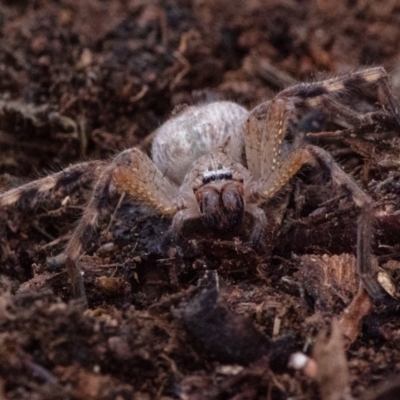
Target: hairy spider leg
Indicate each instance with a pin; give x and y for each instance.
(365, 219)
(264, 135)
(130, 172)
(314, 93)
(264, 132)
(268, 123)
(53, 186)
(265, 188)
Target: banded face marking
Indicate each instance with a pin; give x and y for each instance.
(217, 175)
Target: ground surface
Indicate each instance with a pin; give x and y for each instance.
(82, 79)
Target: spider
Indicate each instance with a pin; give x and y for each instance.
(216, 162)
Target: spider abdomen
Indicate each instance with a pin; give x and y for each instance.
(195, 132)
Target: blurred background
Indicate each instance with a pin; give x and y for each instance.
(91, 77)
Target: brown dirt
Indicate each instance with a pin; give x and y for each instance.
(84, 79)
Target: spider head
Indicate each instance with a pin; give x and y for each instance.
(221, 200)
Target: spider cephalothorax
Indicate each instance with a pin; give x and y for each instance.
(198, 170)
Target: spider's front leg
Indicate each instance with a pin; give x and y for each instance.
(264, 189)
(130, 172)
(273, 161)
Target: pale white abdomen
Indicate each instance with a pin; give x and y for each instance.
(195, 132)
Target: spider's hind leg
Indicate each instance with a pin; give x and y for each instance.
(365, 220)
(52, 186)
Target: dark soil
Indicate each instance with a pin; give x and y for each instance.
(210, 317)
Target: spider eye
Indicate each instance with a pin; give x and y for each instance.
(216, 175)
